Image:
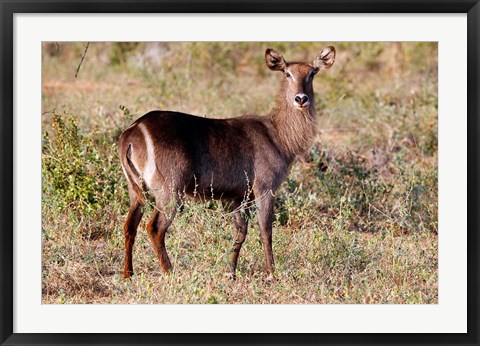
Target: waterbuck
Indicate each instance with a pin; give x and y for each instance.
(172, 154)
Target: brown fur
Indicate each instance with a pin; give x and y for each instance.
(171, 154)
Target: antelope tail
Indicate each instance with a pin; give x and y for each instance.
(132, 174)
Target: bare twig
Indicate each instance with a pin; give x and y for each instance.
(83, 57)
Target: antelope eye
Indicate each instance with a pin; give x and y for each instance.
(288, 75)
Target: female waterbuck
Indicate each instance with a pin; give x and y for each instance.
(171, 154)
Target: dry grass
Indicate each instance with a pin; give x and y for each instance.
(356, 222)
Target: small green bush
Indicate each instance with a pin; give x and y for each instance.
(80, 172)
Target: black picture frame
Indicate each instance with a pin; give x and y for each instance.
(9, 8)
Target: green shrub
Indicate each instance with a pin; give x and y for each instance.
(81, 173)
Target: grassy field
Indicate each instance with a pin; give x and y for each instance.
(355, 222)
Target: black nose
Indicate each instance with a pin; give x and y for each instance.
(301, 99)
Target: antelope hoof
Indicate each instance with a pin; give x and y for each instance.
(270, 277)
(231, 276)
(167, 267)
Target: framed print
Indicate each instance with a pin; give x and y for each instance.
(239, 173)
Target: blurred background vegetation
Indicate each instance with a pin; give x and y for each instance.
(356, 220)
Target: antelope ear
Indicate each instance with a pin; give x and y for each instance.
(325, 58)
(275, 60)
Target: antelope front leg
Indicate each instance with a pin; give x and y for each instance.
(265, 221)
